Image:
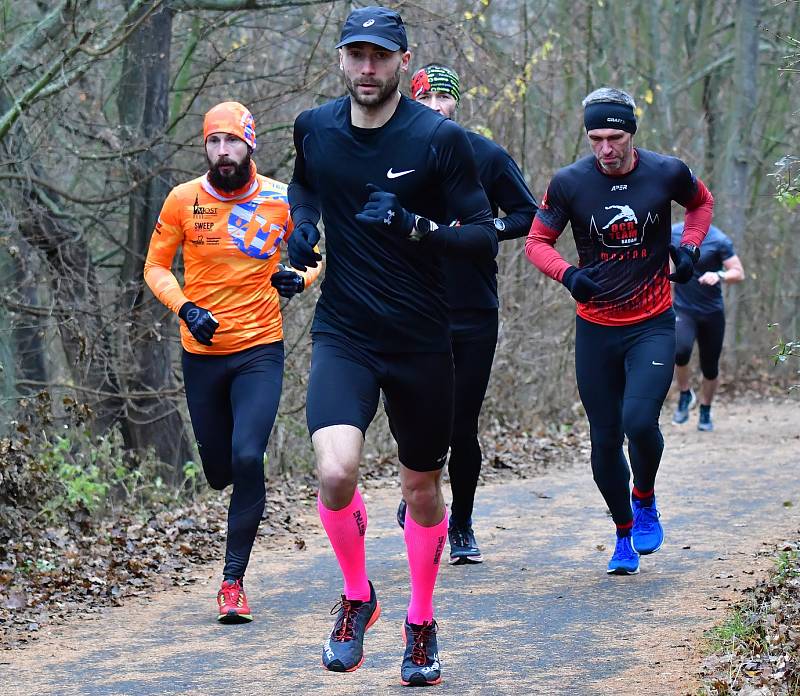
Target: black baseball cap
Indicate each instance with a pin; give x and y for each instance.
(377, 25)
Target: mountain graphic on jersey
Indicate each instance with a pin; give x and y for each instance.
(622, 230)
(244, 216)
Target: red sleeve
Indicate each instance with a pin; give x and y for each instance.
(698, 216)
(540, 250)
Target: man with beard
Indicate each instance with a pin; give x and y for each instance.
(229, 224)
(618, 203)
(472, 298)
(381, 169)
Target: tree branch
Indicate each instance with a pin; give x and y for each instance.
(42, 86)
(175, 391)
(10, 117)
(230, 5)
(49, 27)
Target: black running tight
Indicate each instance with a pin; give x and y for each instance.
(473, 338)
(709, 331)
(623, 374)
(233, 400)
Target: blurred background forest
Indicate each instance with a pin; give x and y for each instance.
(101, 107)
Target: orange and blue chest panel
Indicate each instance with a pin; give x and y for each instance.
(255, 228)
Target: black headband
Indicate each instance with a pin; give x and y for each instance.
(609, 115)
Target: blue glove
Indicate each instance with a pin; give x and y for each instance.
(287, 282)
(580, 284)
(301, 246)
(200, 322)
(683, 259)
(384, 211)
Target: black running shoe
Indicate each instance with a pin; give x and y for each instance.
(421, 665)
(401, 513)
(463, 547)
(343, 651)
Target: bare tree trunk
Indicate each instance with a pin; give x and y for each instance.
(154, 421)
(661, 113)
(77, 308)
(27, 330)
(740, 152)
(77, 311)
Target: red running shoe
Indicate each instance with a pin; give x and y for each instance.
(232, 603)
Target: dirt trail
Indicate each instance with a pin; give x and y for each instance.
(539, 617)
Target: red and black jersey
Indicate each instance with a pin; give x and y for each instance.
(622, 228)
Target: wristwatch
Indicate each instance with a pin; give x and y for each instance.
(422, 228)
(721, 274)
(693, 250)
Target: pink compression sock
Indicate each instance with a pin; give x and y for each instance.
(346, 529)
(425, 546)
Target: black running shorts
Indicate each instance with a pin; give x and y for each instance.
(709, 332)
(345, 387)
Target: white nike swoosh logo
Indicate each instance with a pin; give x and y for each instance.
(393, 175)
(655, 363)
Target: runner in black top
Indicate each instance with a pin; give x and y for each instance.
(380, 169)
(700, 316)
(472, 297)
(618, 203)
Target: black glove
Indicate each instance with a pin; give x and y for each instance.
(683, 259)
(201, 322)
(579, 282)
(287, 282)
(383, 210)
(301, 246)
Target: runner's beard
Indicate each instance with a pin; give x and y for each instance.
(373, 101)
(232, 182)
(618, 163)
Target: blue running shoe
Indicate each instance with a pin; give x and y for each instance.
(686, 401)
(647, 533)
(343, 651)
(625, 560)
(421, 666)
(463, 547)
(704, 423)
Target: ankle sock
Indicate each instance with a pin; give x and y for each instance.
(645, 499)
(624, 530)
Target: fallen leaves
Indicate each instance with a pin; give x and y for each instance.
(49, 575)
(759, 650)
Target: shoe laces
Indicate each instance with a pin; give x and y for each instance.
(624, 548)
(421, 636)
(463, 535)
(231, 593)
(647, 517)
(345, 625)
(459, 537)
(684, 400)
